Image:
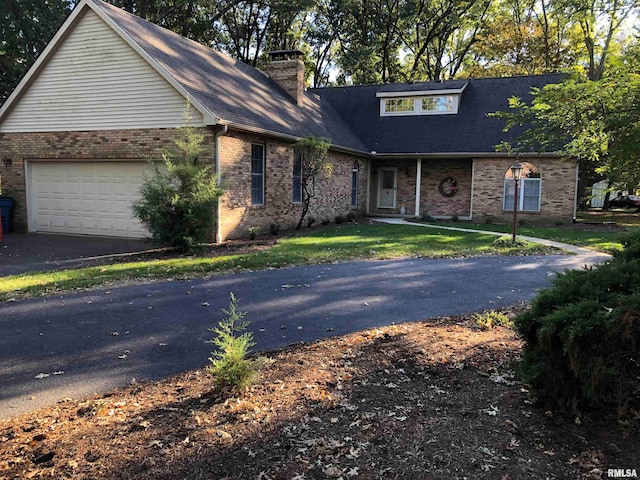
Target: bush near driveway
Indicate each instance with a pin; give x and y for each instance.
(582, 337)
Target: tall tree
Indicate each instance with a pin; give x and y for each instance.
(523, 37)
(26, 27)
(369, 43)
(598, 23)
(597, 122)
(439, 34)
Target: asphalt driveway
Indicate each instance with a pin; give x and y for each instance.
(29, 252)
(75, 345)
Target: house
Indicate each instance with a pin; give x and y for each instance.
(110, 90)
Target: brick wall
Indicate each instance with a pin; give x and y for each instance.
(237, 215)
(558, 185)
(432, 201)
(140, 144)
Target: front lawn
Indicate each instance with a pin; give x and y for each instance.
(333, 244)
(600, 231)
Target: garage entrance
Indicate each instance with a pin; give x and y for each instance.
(85, 197)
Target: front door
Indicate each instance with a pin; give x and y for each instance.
(387, 188)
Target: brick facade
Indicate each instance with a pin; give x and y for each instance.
(557, 197)
(432, 202)
(141, 144)
(236, 214)
(482, 179)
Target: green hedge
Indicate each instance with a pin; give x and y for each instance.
(582, 337)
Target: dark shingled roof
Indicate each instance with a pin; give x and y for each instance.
(471, 130)
(242, 96)
(232, 91)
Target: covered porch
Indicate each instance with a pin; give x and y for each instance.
(414, 187)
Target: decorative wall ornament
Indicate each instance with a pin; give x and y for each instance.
(448, 186)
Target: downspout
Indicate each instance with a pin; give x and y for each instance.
(473, 183)
(216, 135)
(575, 195)
(418, 181)
(369, 182)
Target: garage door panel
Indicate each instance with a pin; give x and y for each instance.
(90, 198)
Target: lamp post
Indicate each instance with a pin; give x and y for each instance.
(516, 173)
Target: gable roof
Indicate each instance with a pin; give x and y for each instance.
(470, 131)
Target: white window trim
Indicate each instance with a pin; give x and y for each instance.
(296, 202)
(520, 195)
(264, 165)
(417, 106)
(355, 172)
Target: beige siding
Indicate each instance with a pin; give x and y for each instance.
(96, 81)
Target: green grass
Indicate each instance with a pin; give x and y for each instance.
(600, 231)
(336, 244)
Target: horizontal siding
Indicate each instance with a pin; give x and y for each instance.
(96, 81)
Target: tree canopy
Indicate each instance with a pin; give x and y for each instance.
(596, 121)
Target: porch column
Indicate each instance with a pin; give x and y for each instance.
(418, 178)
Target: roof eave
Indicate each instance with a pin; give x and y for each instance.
(381, 155)
(288, 137)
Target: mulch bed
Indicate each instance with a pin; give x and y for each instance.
(429, 400)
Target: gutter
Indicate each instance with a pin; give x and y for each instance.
(216, 136)
(461, 155)
(292, 138)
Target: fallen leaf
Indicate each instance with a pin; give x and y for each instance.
(42, 375)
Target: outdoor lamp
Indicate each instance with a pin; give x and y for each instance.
(7, 162)
(516, 173)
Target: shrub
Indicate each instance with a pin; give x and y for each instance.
(325, 221)
(229, 364)
(488, 320)
(310, 221)
(177, 205)
(274, 229)
(339, 219)
(507, 242)
(582, 337)
(426, 218)
(254, 232)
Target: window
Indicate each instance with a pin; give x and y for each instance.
(399, 105)
(422, 105)
(437, 104)
(528, 194)
(354, 184)
(297, 178)
(257, 174)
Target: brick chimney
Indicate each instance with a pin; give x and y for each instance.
(287, 69)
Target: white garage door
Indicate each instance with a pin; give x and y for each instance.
(87, 198)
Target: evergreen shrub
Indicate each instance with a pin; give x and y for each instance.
(582, 337)
(177, 203)
(230, 366)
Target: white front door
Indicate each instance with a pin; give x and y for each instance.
(387, 188)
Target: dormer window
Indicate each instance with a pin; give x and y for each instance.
(424, 102)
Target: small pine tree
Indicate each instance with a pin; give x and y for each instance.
(229, 364)
(177, 205)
